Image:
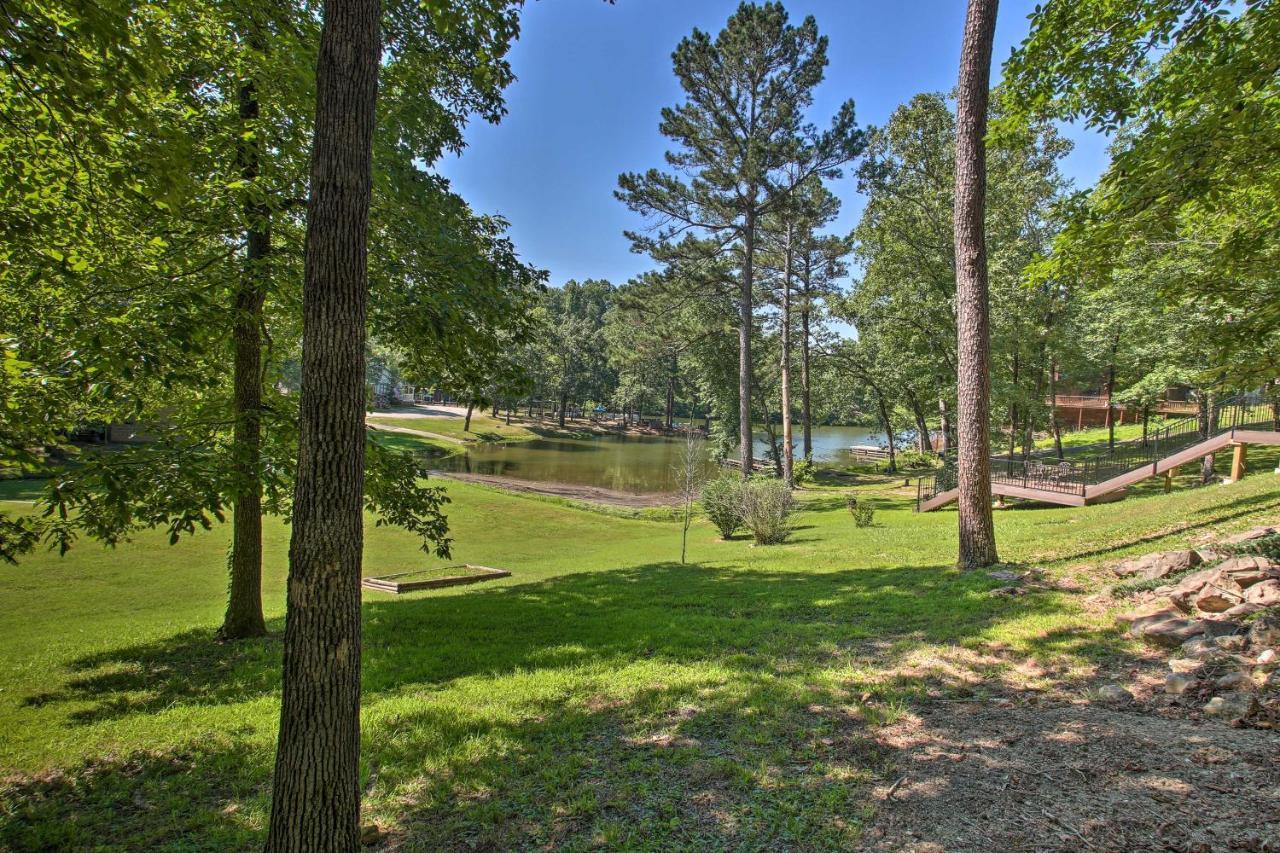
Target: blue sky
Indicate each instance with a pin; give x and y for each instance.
(592, 78)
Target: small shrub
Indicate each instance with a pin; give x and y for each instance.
(915, 459)
(802, 471)
(722, 503)
(863, 515)
(1266, 546)
(766, 507)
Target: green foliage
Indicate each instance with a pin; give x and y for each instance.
(396, 494)
(913, 459)
(722, 503)
(863, 514)
(767, 503)
(1188, 211)
(803, 470)
(1265, 546)
(145, 142)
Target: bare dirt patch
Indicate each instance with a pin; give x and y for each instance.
(978, 776)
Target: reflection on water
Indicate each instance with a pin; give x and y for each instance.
(624, 463)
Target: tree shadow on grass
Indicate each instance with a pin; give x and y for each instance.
(206, 796)
(683, 613)
(1209, 518)
(662, 705)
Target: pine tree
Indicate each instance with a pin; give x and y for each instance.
(973, 469)
(743, 147)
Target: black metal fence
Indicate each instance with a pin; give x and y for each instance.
(1081, 467)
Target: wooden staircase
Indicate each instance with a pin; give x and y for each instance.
(1106, 477)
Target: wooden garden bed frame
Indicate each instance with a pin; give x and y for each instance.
(389, 583)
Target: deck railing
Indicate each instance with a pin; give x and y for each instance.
(1081, 467)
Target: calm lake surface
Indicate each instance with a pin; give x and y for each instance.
(632, 464)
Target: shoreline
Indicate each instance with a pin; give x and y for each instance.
(591, 494)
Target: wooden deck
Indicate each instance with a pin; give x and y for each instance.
(1114, 487)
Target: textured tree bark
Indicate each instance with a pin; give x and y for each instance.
(1207, 427)
(466, 422)
(923, 443)
(745, 316)
(806, 404)
(788, 452)
(316, 795)
(244, 590)
(944, 425)
(1053, 409)
(888, 431)
(1111, 385)
(973, 468)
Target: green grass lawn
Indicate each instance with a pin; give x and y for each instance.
(483, 427)
(1098, 435)
(604, 695)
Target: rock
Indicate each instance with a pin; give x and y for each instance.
(1264, 594)
(1178, 683)
(1184, 590)
(1004, 575)
(1114, 693)
(1152, 566)
(1246, 608)
(1232, 706)
(1247, 570)
(1156, 611)
(1265, 632)
(1171, 633)
(1266, 657)
(1219, 628)
(1201, 648)
(1231, 642)
(371, 834)
(1185, 666)
(1212, 599)
(1249, 535)
(1232, 681)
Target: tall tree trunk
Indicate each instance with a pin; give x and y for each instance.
(671, 397)
(466, 422)
(923, 444)
(244, 591)
(1208, 426)
(1053, 409)
(1013, 412)
(973, 469)
(1028, 420)
(564, 400)
(745, 322)
(806, 404)
(1111, 386)
(944, 425)
(888, 431)
(316, 787)
(788, 452)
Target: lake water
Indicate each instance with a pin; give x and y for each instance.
(632, 464)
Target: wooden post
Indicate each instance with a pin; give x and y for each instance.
(1237, 462)
(1168, 480)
